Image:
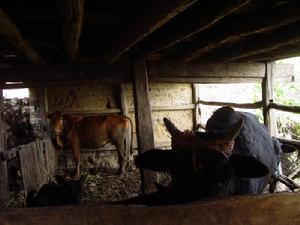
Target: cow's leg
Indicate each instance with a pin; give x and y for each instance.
(121, 159)
(76, 155)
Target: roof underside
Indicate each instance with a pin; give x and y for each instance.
(76, 31)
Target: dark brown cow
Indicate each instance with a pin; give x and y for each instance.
(75, 132)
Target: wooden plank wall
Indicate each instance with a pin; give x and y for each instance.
(38, 163)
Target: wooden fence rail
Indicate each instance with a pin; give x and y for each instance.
(273, 209)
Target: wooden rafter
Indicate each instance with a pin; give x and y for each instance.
(72, 12)
(202, 15)
(260, 44)
(220, 35)
(150, 16)
(274, 54)
(121, 72)
(9, 30)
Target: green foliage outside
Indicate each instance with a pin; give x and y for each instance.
(288, 94)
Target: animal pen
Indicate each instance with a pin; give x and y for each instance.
(142, 59)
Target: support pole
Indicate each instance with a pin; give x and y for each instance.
(267, 97)
(4, 193)
(144, 126)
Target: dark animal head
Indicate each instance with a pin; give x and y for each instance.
(72, 188)
(207, 169)
(218, 174)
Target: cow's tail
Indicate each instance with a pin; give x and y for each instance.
(129, 139)
(30, 199)
(155, 159)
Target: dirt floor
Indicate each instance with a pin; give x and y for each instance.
(100, 186)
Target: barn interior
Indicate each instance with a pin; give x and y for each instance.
(142, 59)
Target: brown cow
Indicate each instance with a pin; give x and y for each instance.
(75, 132)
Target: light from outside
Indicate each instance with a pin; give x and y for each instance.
(16, 93)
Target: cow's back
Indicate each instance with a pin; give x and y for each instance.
(253, 140)
(90, 131)
(96, 131)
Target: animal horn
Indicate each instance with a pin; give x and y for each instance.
(234, 130)
(173, 130)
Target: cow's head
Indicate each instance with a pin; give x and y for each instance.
(56, 124)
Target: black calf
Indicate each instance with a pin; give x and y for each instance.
(56, 194)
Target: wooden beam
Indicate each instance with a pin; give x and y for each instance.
(292, 109)
(283, 36)
(276, 209)
(143, 118)
(114, 73)
(9, 30)
(72, 12)
(288, 51)
(223, 34)
(267, 97)
(151, 15)
(4, 193)
(200, 16)
(176, 71)
(121, 72)
(255, 105)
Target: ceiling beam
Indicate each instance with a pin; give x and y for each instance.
(122, 72)
(287, 51)
(170, 72)
(221, 35)
(151, 15)
(9, 30)
(72, 12)
(200, 16)
(283, 36)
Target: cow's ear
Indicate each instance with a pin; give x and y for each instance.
(248, 167)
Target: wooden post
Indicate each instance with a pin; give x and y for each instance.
(4, 193)
(38, 101)
(144, 127)
(196, 119)
(267, 97)
(124, 107)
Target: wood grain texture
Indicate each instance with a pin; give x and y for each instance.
(275, 209)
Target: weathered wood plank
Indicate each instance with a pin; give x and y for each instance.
(9, 30)
(51, 158)
(255, 105)
(275, 209)
(267, 97)
(29, 169)
(72, 13)
(69, 75)
(151, 15)
(143, 118)
(4, 193)
(260, 44)
(285, 13)
(288, 51)
(38, 161)
(200, 16)
(204, 70)
(293, 109)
